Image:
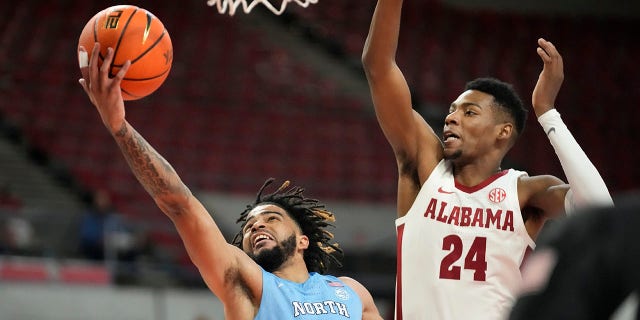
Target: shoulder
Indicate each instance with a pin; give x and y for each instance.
(350, 281)
(356, 286)
(539, 183)
(369, 308)
(544, 192)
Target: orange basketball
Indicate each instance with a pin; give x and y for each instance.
(134, 34)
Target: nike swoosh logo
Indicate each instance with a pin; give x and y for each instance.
(553, 129)
(147, 28)
(443, 191)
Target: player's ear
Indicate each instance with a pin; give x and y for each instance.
(303, 242)
(505, 131)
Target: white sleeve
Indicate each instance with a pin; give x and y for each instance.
(587, 186)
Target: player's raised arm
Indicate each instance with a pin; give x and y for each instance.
(417, 148)
(207, 247)
(389, 89)
(586, 186)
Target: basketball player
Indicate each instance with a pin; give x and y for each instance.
(464, 223)
(273, 269)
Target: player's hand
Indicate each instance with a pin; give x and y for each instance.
(103, 91)
(550, 79)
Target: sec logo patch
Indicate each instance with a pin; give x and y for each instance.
(497, 195)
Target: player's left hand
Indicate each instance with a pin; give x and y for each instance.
(550, 79)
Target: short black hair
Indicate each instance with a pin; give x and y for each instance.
(505, 96)
(312, 218)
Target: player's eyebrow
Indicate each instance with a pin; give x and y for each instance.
(464, 104)
(260, 214)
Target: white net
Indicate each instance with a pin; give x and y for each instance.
(230, 6)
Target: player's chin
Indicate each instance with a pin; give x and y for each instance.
(253, 250)
(452, 153)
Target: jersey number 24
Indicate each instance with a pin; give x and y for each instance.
(473, 260)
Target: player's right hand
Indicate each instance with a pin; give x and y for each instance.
(103, 91)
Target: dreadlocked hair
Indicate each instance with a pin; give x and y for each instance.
(310, 215)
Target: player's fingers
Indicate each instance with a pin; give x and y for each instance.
(93, 65)
(83, 62)
(555, 59)
(84, 85)
(543, 44)
(553, 53)
(106, 64)
(95, 55)
(120, 75)
(543, 55)
(549, 48)
(123, 71)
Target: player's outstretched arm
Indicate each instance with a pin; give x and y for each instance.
(389, 89)
(417, 148)
(586, 185)
(203, 240)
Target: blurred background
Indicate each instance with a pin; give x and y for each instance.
(256, 96)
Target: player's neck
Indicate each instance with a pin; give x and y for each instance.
(472, 174)
(294, 270)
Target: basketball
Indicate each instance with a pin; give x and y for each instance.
(134, 34)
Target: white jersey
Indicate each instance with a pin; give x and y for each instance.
(460, 248)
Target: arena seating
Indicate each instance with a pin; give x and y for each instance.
(224, 123)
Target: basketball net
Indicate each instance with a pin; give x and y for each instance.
(231, 6)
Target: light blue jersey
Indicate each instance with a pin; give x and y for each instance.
(320, 297)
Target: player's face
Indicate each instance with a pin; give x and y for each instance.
(270, 236)
(470, 126)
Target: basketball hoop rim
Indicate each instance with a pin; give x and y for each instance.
(230, 6)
